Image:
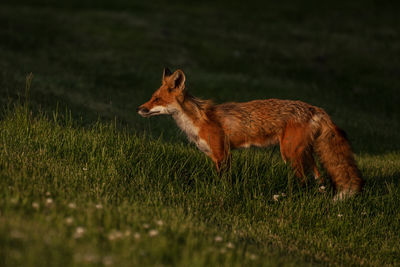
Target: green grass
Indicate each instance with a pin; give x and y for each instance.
(144, 185)
(85, 181)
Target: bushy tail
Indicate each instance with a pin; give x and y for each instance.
(334, 151)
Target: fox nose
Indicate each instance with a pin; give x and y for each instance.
(144, 110)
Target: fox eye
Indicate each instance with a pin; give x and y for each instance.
(156, 99)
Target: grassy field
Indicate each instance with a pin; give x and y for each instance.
(85, 181)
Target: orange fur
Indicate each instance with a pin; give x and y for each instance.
(299, 128)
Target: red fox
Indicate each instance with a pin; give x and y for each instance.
(299, 128)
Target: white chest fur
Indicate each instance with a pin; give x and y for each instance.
(186, 124)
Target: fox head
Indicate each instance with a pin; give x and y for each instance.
(166, 99)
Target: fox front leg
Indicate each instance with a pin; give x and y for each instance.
(222, 161)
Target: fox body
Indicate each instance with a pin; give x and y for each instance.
(300, 129)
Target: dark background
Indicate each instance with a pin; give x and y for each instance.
(101, 59)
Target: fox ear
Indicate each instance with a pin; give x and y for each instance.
(179, 80)
(166, 73)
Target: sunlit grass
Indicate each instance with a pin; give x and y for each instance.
(103, 195)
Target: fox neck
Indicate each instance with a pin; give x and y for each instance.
(189, 116)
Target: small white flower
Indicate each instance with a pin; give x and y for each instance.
(17, 234)
(118, 235)
(107, 260)
(72, 205)
(364, 213)
(230, 245)
(159, 223)
(146, 226)
(85, 168)
(153, 232)
(79, 232)
(91, 258)
(340, 215)
(136, 236)
(283, 194)
(99, 206)
(321, 189)
(114, 235)
(49, 201)
(253, 256)
(276, 197)
(69, 220)
(48, 194)
(127, 233)
(35, 205)
(218, 238)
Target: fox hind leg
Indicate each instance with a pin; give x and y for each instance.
(313, 167)
(296, 147)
